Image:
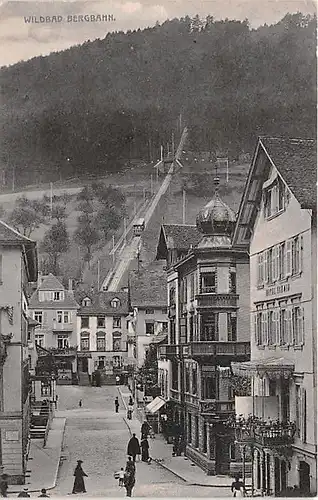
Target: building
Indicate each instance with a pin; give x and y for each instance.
(18, 267)
(148, 298)
(277, 218)
(55, 308)
(208, 310)
(102, 334)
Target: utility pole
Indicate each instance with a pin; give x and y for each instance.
(125, 230)
(98, 274)
(51, 198)
(151, 185)
(113, 239)
(183, 207)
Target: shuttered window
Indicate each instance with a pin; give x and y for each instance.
(288, 258)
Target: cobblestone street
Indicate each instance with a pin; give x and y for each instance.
(97, 435)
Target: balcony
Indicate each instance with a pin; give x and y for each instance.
(169, 351)
(269, 434)
(216, 300)
(222, 351)
(214, 407)
(63, 351)
(62, 327)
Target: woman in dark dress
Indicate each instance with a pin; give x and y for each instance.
(79, 485)
(144, 450)
(129, 482)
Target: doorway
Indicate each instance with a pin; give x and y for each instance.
(83, 365)
(304, 477)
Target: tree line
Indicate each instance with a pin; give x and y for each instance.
(94, 107)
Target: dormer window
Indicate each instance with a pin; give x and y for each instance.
(86, 302)
(115, 303)
(274, 199)
(58, 296)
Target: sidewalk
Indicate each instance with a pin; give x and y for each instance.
(43, 463)
(161, 452)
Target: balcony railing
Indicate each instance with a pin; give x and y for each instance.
(62, 327)
(63, 351)
(214, 406)
(169, 351)
(241, 350)
(217, 300)
(265, 433)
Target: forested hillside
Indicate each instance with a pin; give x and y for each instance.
(94, 106)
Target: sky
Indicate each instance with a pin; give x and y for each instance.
(20, 40)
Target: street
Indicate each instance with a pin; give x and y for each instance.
(97, 435)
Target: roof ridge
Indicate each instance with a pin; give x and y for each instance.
(13, 230)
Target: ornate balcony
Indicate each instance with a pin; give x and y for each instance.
(216, 300)
(214, 407)
(270, 434)
(226, 351)
(63, 351)
(169, 351)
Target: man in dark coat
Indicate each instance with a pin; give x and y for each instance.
(79, 485)
(144, 450)
(116, 405)
(133, 447)
(145, 429)
(129, 482)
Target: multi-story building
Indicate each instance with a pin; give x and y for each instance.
(102, 334)
(277, 218)
(55, 308)
(208, 310)
(18, 267)
(148, 299)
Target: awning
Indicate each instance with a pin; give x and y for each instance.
(156, 404)
(273, 368)
(159, 338)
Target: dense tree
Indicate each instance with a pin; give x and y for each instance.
(28, 215)
(56, 242)
(111, 100)
(86, 235)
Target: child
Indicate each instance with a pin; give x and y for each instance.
(121, 477)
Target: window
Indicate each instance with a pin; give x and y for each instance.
(187, 379)
(210, 387)
(273, 325)
(86, 302)
(85, 322)
(116, 341)
(84, 341)
(116, 322)
(57, 295)
(38, 316)
(208, 282)
(258, 328)
(66, 317)
(39, 340)
(297, 251)
(232, 451)
(282, 260)
(232, 327)
(192, 290)
(115, 303)
(149, 328)
(194, 380)
(172, 331)
(150, 311)
(274, 199)
(260, 269)
(283, 327)
(59, 316)
(172, 296)
(264, 328)
(100, 321)
(210, 327)
(288, 258)
(191, 328)
(164, 310)
(62, 341)
(232, 282)
(298, 410)
(101, 344)
(45, 389)
(297, 325)
(269, 277)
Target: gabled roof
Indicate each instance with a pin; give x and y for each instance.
(148, 287)
(177, 236)
(11, 237)
(50, 282)
(101, 304)
(296, 163)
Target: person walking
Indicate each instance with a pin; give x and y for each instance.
(131, 401)
(80, 403)
(79, 485)
(238, 488)
(116, 405)
(129, 482)
(44, 494)
(144, 450)
(133, 447)
(4, 485)
(145, 429)
(130, 465)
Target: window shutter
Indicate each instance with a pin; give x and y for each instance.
(266, 266)
(276, 338)
(277, 262)
(288, 258)
(300, 325)
(303, 415)
(289, 333)
(265, 335)
(256, 329)
(301, 253)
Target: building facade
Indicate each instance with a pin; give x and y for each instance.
(55, 308)
(18, 267)
(277, 217)
(102, 334)
(208, 310)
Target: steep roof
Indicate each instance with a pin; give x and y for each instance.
(148, 287)
(50, 282)
(181, 236)
(10, 236)
(296, 161)
(101, 304)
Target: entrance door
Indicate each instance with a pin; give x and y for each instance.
(277, 476)
(222, 456)
(83, 365)
(304, 477)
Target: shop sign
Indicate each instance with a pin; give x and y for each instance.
(84, 355)
(276, 290)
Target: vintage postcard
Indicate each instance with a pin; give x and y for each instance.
(158, 257)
